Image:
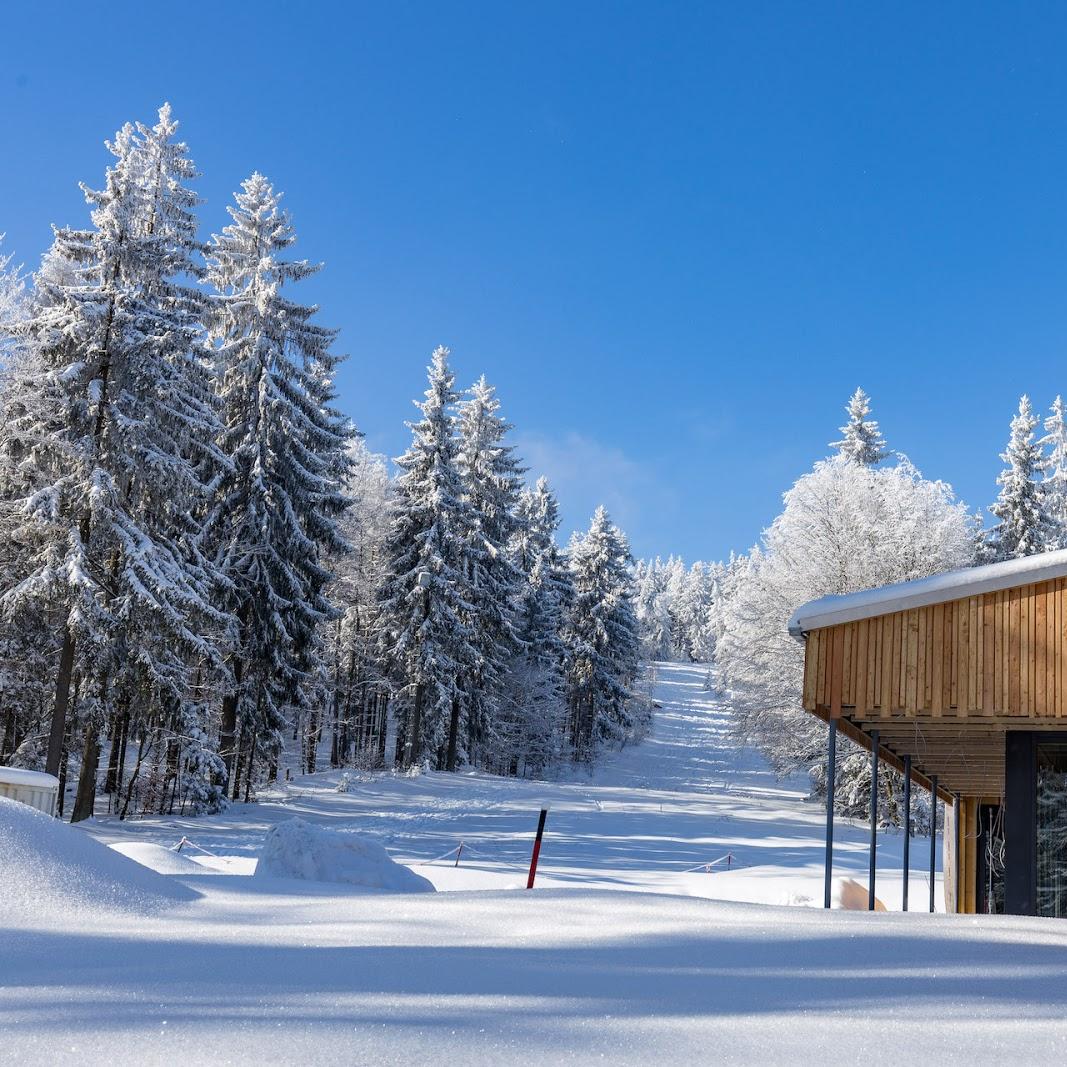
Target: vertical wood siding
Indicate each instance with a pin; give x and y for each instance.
(995, 654)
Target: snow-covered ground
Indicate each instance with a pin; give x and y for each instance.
(675, 968)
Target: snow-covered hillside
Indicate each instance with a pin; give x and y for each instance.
(648, 815)
(275, 970)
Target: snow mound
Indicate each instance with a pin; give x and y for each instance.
(296, 849)
(48, 866)
(160, 859)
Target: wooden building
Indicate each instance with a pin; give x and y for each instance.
(962, 679)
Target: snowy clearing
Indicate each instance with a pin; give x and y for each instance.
(279, 970)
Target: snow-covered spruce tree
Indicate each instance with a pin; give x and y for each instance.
(845, 527)
(492, 481)
(1023, 527)
(691, 611)
(13, 302)
(28, 643)
(123, 446)
(652, 608)
(427, 643)
(360, 691)
(278, 502)
(601, 638)
(531, 713)
(1054, 487)
(862, 442)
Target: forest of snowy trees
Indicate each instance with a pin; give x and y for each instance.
(205, 572)
(862, 517)
(207, 580)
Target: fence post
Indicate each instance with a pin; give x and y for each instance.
(537, 846)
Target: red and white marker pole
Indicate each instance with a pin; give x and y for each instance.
(537, 846)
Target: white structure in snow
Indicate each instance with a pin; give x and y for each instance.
(34, 788)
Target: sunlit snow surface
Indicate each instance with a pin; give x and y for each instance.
(273, 971)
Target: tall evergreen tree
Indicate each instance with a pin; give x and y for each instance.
(601, 635)
(427, 637)
(126, 442)
(1054, 487)
(862, 442)
(13, 301)
(531, 716)
(1022, 528)
(360, 685)
(280, 498)
(492, 481)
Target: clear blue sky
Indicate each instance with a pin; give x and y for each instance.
(675, 237)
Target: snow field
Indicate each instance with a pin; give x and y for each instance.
(268, 970)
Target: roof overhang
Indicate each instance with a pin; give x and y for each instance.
(937, 589)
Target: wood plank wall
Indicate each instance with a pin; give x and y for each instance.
(1002, 654)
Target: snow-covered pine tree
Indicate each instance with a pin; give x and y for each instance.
(492, 481)
(122, 446)
(276, 518)
(427, 642)
(531, 717)
(1054, 487)
(601, 637)
(862, 442)
(13, 303)
(844, 527)
(652, 609)
(1023, 527)
(360, 694)
(28, 643)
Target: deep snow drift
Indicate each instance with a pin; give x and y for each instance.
(260, 969)
(296, 849)
(48, 868)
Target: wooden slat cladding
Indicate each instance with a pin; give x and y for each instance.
(992, 655)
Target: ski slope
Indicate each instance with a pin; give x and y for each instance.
(685, 797)
(620, 953)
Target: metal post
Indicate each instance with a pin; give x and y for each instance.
(933, 837)
(956, 850)
(537, 846)
(831, 781)
(874, 818)
(907, 827)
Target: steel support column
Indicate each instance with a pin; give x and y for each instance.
(831, 780)
(907, 828)
(933, 837)
(874, 818)
(956, 850)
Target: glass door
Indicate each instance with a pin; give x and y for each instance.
(1051, 829)
(990, 882)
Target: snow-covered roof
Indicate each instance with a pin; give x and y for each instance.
(19, 776)
(951, 585)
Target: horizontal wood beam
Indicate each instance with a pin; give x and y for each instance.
(886, 755)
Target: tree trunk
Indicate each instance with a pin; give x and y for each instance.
(453, 731)
(8, 744)
(248, 773)
(236, 794)
(414, 750)
(62, 702)
(120, 725)
(383, 720)
(63, 765)
(85, 800)
(228, 725)
(136, 772)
